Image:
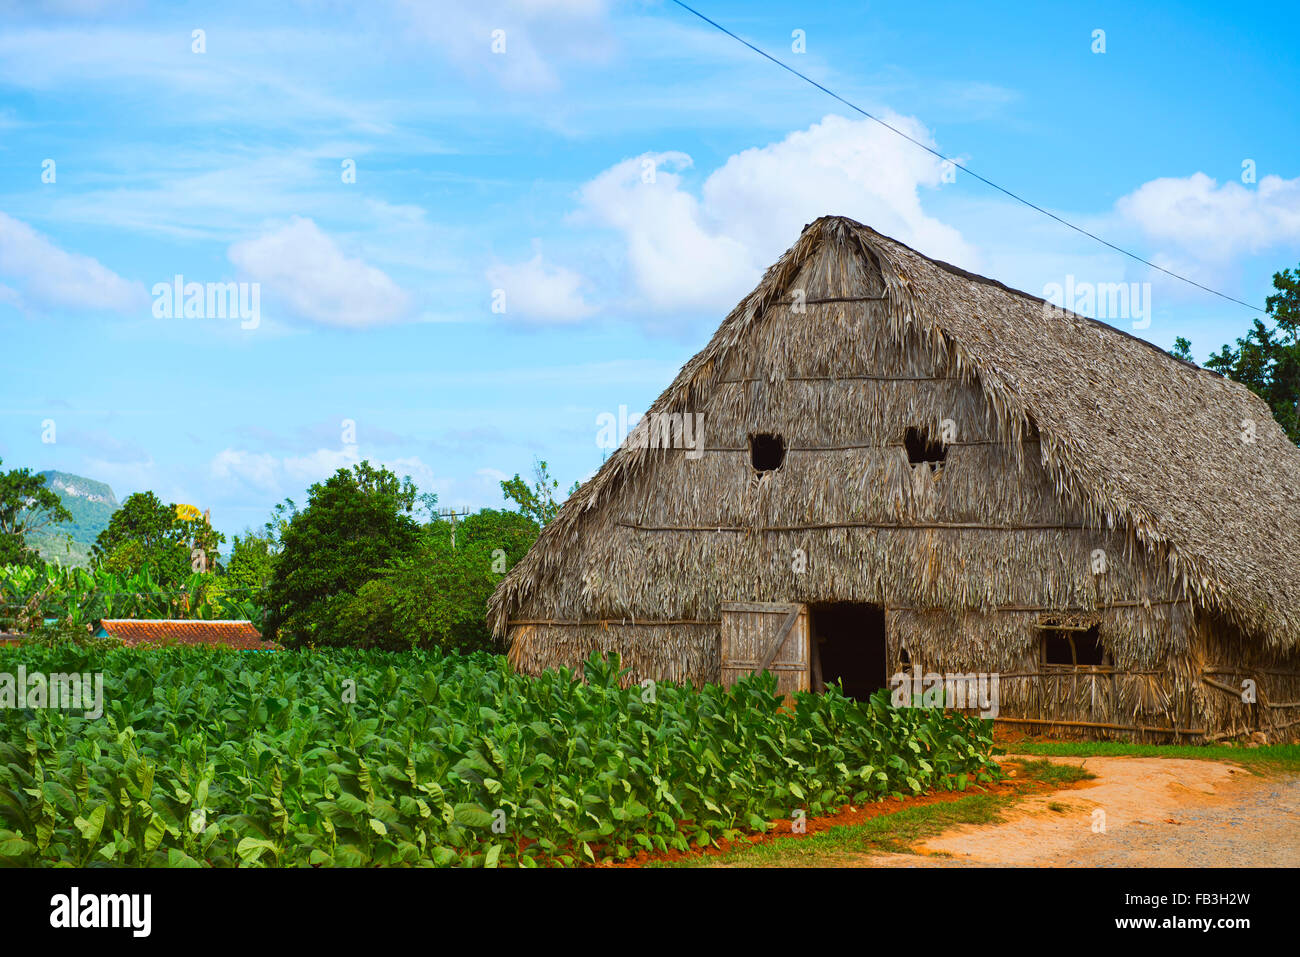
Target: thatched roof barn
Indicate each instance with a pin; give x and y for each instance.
(907, 467)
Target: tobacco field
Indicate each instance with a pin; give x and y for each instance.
(208, 757)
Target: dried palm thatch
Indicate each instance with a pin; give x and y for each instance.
(1072, 438)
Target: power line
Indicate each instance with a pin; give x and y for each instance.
(988, 182)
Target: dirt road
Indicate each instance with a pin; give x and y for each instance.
(1157, 812)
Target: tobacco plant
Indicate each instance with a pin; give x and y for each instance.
(218, 758)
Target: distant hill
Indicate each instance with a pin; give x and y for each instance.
(91, 504)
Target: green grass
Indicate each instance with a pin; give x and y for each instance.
(1056, 774)
(895, 833)
(1273, 757)
(889, 833)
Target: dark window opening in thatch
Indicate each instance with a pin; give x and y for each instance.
(921, 448)
(766, 451)
(904, 658)
(1078, 647)
(848, 640)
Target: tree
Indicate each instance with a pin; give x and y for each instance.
(143, 519)
(1182, 349)
(251, 562)
(539, 502)
(146, 533)
(428, 506)
(434, 597)
(354, 524)
(1267, 361)
(281, 516)
(26, 505)
(253, 554)
(511, 532)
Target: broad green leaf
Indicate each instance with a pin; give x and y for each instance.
(250, 849)
(472, 815)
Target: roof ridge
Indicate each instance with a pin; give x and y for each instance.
(998, 284)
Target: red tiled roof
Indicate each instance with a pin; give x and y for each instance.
(232, 634)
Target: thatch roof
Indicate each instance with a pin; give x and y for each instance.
(1142, 441)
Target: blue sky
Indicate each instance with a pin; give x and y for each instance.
(618, 176)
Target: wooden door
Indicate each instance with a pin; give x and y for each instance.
(771, 635)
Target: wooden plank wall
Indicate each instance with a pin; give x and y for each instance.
(747, 630)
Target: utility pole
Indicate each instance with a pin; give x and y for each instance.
(451, 515)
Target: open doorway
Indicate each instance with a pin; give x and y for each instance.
(848, 645)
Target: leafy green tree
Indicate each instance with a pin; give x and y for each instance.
(281, 516)
(27, 504)
(1182, 349)
(142, 519)
(437, 596)
(14, 551)
(354, 524)
(251, 562)
(538, 502)
(428, 507)
(145, 533)
(1267, 361)
(511, 532)
(434, 597)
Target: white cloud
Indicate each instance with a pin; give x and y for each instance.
(320, 464)
(538, 291)
(125, 477)
(473, 491)
(420, 472)
(685, 251)
(257, 469)
(537, 34)
(50, 276)
(677, 258)
(854, 168)
(1213, 221)
(278, 476)
(266, 76)
(482, 489)
(306, 269)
